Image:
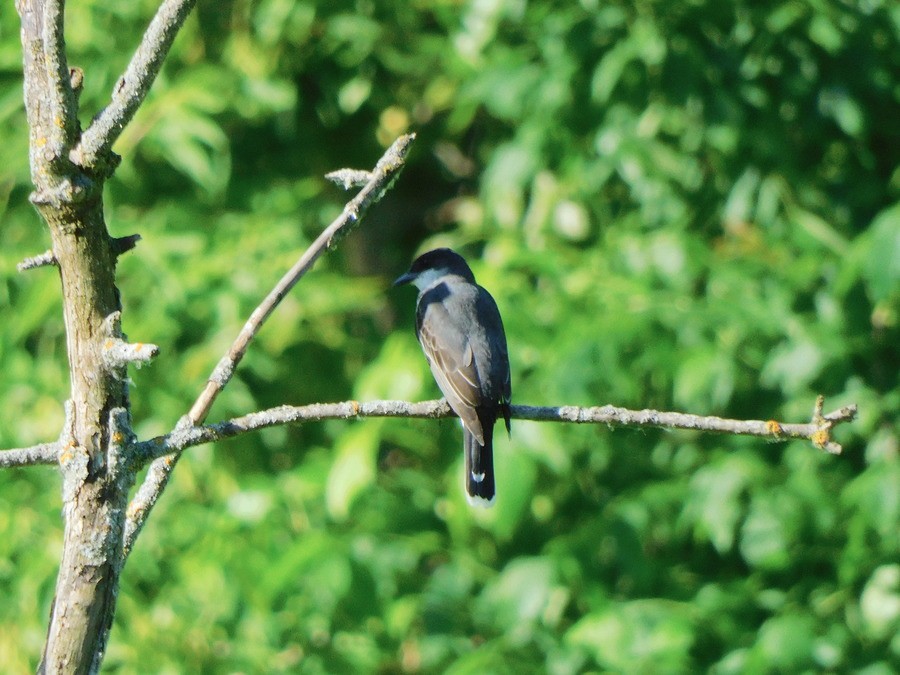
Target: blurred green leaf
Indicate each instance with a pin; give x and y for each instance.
(880, 602)
(353, 470)
(767, 536)
(784, 642)
(715, 501)
(521, 596)
(641, 636)
(877, 253)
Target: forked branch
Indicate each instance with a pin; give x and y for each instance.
(379, 181)
(132, 87)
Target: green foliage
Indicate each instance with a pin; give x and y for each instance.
(687, 205)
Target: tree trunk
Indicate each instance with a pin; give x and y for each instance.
(95, 494)
(95, 484)
(86, 587)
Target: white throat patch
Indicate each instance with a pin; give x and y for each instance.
(428, 278)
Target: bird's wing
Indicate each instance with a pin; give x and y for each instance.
(452, 363)
(496, 360)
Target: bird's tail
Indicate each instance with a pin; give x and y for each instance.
(480, 466)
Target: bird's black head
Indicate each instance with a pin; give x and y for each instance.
(433, 264)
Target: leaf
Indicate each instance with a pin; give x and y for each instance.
(523, 593)
(714, 503)
(878, 249)
(785, 643)
(880, 602)
(638, 636)
(353, 469)
(767, 536)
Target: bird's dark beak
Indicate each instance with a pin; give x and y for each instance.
(404, 279)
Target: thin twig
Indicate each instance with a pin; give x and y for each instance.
(132, 87)
(381, 178)
(117, 353)
(348, 178)
(120, 245)
(612, 416)
(45, 453)
(45, 259)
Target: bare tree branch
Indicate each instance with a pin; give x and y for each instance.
(49, 99)
(386, 171)
(380, 180)
(117, 353)
(818, 430)
(165, 450)
(132, 87)
(45, 259)
(62, 97)
(44, 453)
(613, 416)
(122, 245)
(348, 178)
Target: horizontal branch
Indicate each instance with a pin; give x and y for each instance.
(120, 245)
(117, 353)
(45, 453)
(817, 431)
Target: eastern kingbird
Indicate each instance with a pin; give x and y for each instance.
(460, 330)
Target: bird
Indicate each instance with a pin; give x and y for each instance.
(460, 330)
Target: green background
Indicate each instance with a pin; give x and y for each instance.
(688, 205)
